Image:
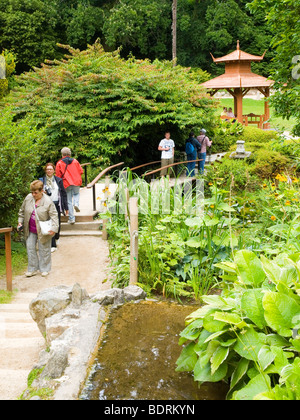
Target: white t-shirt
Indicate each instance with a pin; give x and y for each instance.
(167, 143)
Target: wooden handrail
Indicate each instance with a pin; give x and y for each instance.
(169, 166)
(93, 183)
(145, 164)
(85, 165)
(7, 232)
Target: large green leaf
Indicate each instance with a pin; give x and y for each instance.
(219, 302)
(251, 303)
(211, 325)
(249, 344)
(203, 374)
(230, 318)
(260, 383)
(280, 310)
(239, 372)
(265, 356)
(218, 358)
(187, 359)
(249, 268)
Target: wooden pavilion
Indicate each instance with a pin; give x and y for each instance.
(238, 79)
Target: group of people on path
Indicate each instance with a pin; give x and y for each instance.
(194, 147)
(56, 193)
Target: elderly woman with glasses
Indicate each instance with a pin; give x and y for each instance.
(54, 188)
(38, 207)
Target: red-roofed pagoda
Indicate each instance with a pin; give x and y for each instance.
(238, 79)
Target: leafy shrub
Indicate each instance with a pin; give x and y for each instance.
(254, 134)
(267, 163)
(108, 109)
(234, 172)
(19, 159)
(247, 335)
(225, 135)
(10, 63)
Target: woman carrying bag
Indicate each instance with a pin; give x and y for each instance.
(36, 210)
(54, 188)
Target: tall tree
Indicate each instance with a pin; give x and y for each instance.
(174, 32)
(286, 42)
(28, 29)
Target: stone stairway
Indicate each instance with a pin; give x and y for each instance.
(86, 221)
(20, 345)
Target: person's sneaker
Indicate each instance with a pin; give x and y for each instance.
(45, 274)
(53, 249)
(71, 222)
(77, 208)
(31, 273)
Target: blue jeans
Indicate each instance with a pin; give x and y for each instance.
(190, 171)
(202, 162)
(73, 194)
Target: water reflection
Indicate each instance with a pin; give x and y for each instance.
(137, 357)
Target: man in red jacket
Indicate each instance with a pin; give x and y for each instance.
(70, 171)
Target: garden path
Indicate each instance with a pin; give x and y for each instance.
(82, 259)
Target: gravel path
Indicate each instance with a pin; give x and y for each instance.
(82, 260)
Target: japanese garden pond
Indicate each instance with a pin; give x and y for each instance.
(136, 358)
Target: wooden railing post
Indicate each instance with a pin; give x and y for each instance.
(7, 232)
(134, 228)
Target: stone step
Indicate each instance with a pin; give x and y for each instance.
(86, 216)
(8, 380)
(97, 233)
(14, 307)
(19, 330)
(24, 297)
(15, 317)
(18, 353)
(95, 225)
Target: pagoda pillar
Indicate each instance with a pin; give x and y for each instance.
(267, 108)
(238, 104)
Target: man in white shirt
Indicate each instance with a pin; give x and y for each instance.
(167, 147)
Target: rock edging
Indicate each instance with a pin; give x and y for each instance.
(71, 321)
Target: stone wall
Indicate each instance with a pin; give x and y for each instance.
(71, 322)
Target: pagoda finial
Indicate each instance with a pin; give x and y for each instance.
(238, 45)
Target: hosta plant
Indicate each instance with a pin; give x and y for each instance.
(248, 335)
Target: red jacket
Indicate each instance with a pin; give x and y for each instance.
(70, 171)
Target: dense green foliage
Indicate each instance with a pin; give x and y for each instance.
(245, 335)
(286, 44)
(32, 28)
(10, 65)
(109, 109)
(19, 160)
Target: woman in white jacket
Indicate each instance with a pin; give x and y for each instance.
(38, 204)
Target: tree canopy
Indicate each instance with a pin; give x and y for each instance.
(32, 29)
(286, 43)
(107, 108)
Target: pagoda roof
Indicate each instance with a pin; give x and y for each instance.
(245, 80)
(238, 72)
(238, 55)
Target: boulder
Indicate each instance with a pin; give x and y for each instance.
(78, 295)
(133, 292)
(113, 296)
(49, 302)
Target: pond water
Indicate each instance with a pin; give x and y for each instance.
(137, 357)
